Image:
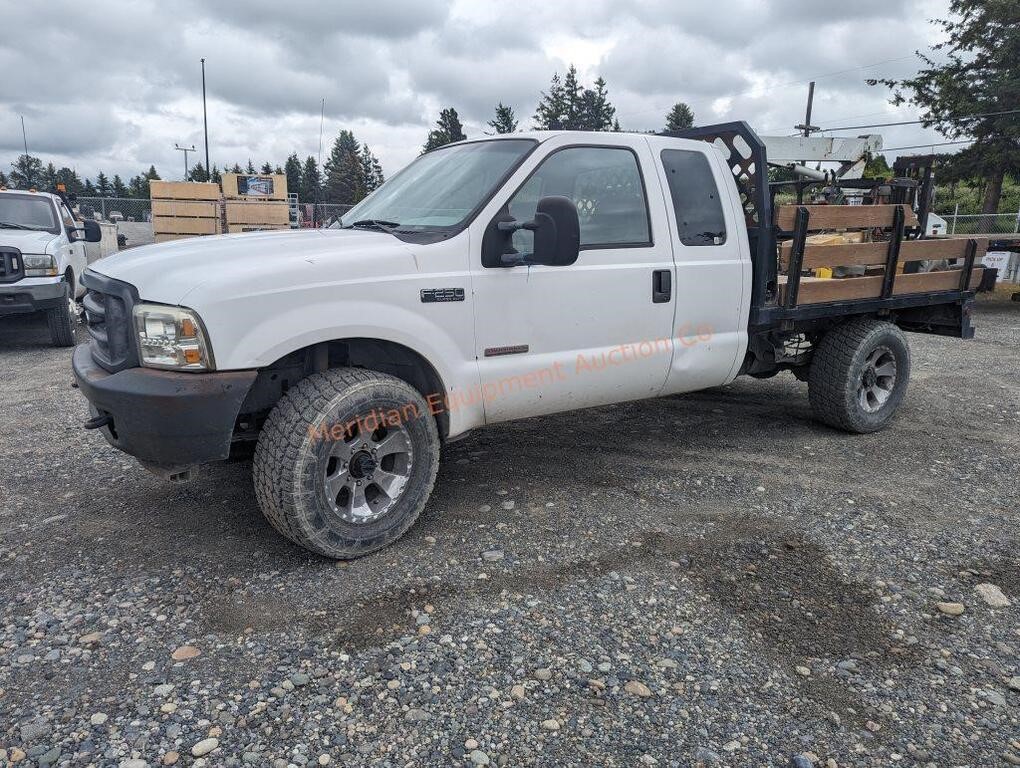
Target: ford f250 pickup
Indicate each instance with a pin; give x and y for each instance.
(498, 279)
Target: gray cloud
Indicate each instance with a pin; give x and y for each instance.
(113, 85)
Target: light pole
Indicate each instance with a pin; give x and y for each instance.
(205, 123)
(185, 150)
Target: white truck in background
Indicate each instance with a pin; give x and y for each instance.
(42, 258)
(490, 280)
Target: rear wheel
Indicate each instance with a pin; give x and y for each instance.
(859, 375)
(61, 322)
(346, 461)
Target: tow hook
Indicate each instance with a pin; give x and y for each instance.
(97, 422)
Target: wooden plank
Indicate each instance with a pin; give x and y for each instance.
(814, 290)
(257, 181)
(843, 216)
(257, 212)
(184, 190)
(180, 225)
(186, 208)
(865, 254)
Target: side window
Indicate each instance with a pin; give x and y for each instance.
(699, 213)
(605, 185)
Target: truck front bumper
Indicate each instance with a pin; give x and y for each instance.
(163, 417)
(29, 295)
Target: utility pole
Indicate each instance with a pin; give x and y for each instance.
(185, 150)
(28, 165)
(807, 128)
(205, 124)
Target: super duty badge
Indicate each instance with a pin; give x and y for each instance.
(431, 295)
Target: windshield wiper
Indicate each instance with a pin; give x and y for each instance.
(11, 225)
(386, 226)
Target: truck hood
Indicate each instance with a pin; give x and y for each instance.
(184, 271)
(26, 240)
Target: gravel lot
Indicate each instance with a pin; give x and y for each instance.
(711, 579)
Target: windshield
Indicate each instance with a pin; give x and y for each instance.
(28, 212)
(441, 189)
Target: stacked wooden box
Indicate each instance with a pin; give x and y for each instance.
(255, 202)
(183, 209)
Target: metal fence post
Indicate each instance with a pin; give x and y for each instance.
(1016, 227)
(956, 212)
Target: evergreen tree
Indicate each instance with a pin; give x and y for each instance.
(49, 177)
(250, 168)
(267, 169)
(26, 172)
(237, 168)
(505, 120)
(216, 176)
(371, 170)
(569, 106)
(88, 190)
(344, 182)
(3, 179)
(102, 185)
(278, 170)
(311, 181)
(448, 130)
(198, 173)
(680, 117)
(977, 72)
(119, 190)
(292, 170)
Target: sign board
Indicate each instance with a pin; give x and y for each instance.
(998, 260)
(255, 186)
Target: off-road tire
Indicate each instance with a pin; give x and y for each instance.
(288, 468)
(60, 321)
(838, 368)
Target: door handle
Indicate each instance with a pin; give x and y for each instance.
(662, 286)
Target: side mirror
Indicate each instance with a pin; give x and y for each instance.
(557, 233)
(93, 232)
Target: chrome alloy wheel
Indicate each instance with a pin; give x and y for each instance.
(367, 472)
(878, 379)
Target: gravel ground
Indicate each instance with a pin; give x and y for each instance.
(711, 579)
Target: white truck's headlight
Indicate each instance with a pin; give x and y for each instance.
(39, 265)
(171, 337)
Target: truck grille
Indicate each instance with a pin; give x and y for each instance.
(108, 306)
(12, 267)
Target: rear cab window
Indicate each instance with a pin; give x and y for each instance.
(695, 195)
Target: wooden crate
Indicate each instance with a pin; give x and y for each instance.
(235, 228)
(262, 212)
(165, 238)
(232, 182)
(188, 208)
(185, 225)
(183, 190)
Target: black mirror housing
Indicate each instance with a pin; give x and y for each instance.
(93, 232)
(557, 232)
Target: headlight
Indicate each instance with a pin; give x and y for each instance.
(171, 337)
(38, 265)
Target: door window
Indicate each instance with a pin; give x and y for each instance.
(699, 212)
(606, 186)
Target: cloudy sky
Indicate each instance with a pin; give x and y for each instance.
(113, 85)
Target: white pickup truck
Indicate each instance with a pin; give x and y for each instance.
(42, 258)
(490, 280)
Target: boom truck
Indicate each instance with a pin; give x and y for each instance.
(496, 279)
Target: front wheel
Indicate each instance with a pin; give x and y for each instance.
(859, 374)
(346, 461)
(61, 322)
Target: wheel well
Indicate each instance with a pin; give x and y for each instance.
(274, 380)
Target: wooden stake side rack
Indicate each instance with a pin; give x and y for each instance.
(794, 222)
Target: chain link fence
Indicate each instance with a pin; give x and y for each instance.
(982, 223)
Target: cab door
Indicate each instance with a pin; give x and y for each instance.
(713, 263)
(597, 331)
